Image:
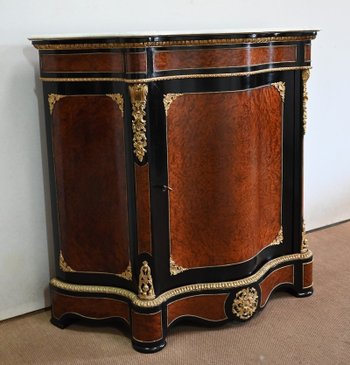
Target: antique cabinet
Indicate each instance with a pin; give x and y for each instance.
(176, 176)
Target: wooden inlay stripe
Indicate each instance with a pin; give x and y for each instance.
(283, 275)
(93, 308)
(147, 327)
(226, 57)
(307, 275)
(307, 52)
(143, 210)
(210, 307)
(93, 62)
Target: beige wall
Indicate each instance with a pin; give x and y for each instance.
(25, 233)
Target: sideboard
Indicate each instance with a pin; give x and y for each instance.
(176, 169)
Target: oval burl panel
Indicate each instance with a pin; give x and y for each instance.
(89, 159)
(225, 171)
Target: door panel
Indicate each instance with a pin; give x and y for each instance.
(89, 161)
(225, 172)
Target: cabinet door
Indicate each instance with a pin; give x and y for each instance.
(89, 165)
(225, 172)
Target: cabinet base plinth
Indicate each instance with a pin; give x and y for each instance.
(208, 303)
(148, 349)
(303, 293)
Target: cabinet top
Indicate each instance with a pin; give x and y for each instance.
(172, 38)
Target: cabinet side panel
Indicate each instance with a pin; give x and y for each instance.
(225, 169)
(89, 159)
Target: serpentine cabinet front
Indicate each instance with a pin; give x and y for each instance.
(176, 176)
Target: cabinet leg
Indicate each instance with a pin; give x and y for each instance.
(148, 331)
(302, 293)
(303, 287)
(62, 322)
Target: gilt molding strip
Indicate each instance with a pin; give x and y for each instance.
(188, 42)
(192, 288)
(172, 77)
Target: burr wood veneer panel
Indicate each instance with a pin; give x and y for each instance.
(225, 169)
(94, 62)
(307, 53)
(98, 308)
(228, 57)
(307, 275)
(283, 275)
(143, 208)
(89, 158)
(207, 306)
(147, 327)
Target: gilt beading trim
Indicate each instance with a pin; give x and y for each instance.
(173, 43)
(173, 77)
(191, 288)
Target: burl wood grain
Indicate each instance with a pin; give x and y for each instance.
(225, 57)
(94, 62)
(224, 153)
(283, 275)
(136, 62)
(143, 209)
(307, 275)
(147, 327)
(307, 53)
(208, 306)
(89, 158)
(99, 308)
